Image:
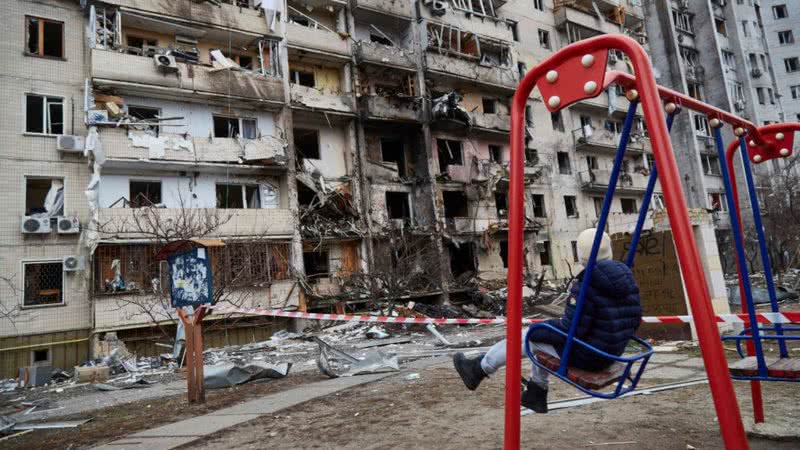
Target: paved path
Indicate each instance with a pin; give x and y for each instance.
(186, 431)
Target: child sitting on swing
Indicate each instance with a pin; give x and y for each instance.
(611, 315)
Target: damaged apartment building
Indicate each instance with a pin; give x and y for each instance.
(329, 154)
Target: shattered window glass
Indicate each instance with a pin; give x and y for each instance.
(145, 193)
(44, 37)
(44, 114)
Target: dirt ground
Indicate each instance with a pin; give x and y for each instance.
(436, 411)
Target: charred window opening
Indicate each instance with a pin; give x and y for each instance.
(44, 115)
(571, 206)
(141, 46)
(392, 150)
(501, 204)
(145, 193)
(45, 37)
(544, 253)
(489, 105)
(234, 127)
(455, 204)
(628, 205)
(450, 154)
(531, 156)
(397, 205)
(538, 206)
(316, 264)
(496, 153)
(237, 196)
(302, 77)
(598, 205)
(44, 197)
(379, 39)
(557, 120)
(504, 253)
(564, 166)
(305, 196)
(306, 143)
(462, 258)
(574, 245)
(147, 116)
(44, 283)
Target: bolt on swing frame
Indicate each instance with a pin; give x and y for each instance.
(574, 89)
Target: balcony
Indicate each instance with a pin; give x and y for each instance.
(313, 98)
(138, 75)
(611, 10)
(384, 55)
(133, 223)
(722, 220)
(491, 122)
(695, 74)
(121, 145)
(597, 181)
(470, 70)
(399, 8)
(467, 225)
(605, 141)
(223, 15)
(404, 109)
(317, 40)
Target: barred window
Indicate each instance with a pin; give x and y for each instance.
(127, 268)
(44, 283)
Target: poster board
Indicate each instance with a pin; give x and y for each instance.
(658, 274)
(190, 278)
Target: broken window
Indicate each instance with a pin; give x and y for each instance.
(531, 156)
(44, 197)
(544, 253)
(501, 204)
(462, 258)
(44, 115)
(504, 253)
(146, 115)
(464, 44)
(455, 204)
(695, 91)
(489, 105)
(234, 127)
(44, 283)
(791, 64)
(701, 125)
(780, 12)
(316, 264)
(238, 196)
(145, 193)
(392, 150)
(397, 205)
(710, 164)
(306, 143)
(44, 37)
(127, 268)
(682, 21)
(496, 153)
(544, 39)
(571, 206)
(564, 167)
(574, 245)
(449, 154)
(380, 39)
(591, 162)
(141, 46)
(628, 205)
(557, 120)
(302, 77)
(538, 206)
(522, 69)
(718, 201)
(538, 4)
(598, 205)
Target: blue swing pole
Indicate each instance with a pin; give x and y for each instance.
(648, 195)
(736, 229)
(762, 243)
(601, 225)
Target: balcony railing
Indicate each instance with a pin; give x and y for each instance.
(597, 181)
(385, 55)
(400, 8)
(471, 69)
(140, 75)
(406, 109)
(318, 99)
(592, 139)
(317, 40)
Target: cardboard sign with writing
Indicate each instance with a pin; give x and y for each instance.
(657, 272)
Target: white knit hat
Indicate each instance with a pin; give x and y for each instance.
(585, 240)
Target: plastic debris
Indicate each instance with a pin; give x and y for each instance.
(231, 374)
(376, 332)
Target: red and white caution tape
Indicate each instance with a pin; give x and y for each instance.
(784, 317)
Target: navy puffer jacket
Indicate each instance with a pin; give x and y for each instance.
(611, 315)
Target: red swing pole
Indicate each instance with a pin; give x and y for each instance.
(720, 383)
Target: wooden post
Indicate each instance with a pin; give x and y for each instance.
(194, 354)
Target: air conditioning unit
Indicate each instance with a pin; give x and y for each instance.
(165, 63)
(73, 263)
(69, 225)
(35, 225)
(71, 144)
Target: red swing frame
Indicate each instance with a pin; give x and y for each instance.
(564, 78)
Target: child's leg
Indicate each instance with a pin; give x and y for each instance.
(539, 375)
(495, 358)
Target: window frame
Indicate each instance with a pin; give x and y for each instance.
(795, 63)
(40, 53)
(27, 177)
(240, 121)
(243, 187)
(784, 11)
(26, 262)
(786, 37)
(45, 114)
(146, 180)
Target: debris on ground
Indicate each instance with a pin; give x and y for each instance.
(376, 332)
(231, 374)
(336, 363)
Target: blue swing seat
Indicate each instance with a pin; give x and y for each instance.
(620, 371)
(778, 369)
